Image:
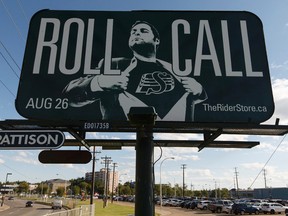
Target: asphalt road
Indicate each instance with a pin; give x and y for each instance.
(17, 208)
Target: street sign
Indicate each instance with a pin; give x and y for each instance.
(28, 140)
(191, 66)
(65, 156)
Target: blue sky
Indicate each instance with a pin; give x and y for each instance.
(203, 168)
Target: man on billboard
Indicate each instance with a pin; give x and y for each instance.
(143, 81)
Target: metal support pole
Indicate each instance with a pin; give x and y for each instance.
(93, 177)
(144, 198)
(144, 119)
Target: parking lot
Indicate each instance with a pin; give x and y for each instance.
(165, 211)
(178, 211)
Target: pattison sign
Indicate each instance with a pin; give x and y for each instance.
(191, 66)
(22, 139)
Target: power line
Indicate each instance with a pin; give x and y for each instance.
(15, 25)
(9, 65)
(10, 56)
(7, 88)
(22, 10)
(14, 170)
(268, 160)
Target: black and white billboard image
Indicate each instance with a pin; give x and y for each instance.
(191, 66)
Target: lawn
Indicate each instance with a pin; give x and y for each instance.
(112, 209)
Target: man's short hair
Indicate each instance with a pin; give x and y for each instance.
(154, 30)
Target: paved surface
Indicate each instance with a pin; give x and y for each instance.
(176, 211)
(4, 207)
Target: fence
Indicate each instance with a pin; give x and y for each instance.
(84, 210)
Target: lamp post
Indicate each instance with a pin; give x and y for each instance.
(172, 158)
(7, 180)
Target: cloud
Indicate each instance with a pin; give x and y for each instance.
(2, 161)
(25, 157)
(25, 160)
(171, 136)
(280, 87)
(253, 166)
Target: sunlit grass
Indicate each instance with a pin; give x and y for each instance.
(112, 209)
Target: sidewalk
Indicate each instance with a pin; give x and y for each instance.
(4, 207)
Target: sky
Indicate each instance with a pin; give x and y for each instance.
(204, 169)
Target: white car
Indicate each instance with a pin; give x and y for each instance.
(227, 208)
(203, 205)
(57, 203)
(258, 206)
(273, 208)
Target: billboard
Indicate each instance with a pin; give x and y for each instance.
(191, 66)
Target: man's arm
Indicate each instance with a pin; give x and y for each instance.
(195, 88)
(86, 90)
(79, 91)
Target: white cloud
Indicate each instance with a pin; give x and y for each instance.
(25, 160)
(253, 166)
(280, 87)
(2, 161)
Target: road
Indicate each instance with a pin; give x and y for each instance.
(17, 208)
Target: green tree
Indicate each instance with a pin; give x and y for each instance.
(23, 187)
(99, 187)
(84, 186)
(60, 191)
(42, 188)
(76, 190)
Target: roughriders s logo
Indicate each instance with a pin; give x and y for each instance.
(155, 83)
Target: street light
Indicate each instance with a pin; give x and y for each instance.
(172, 158)
(7, 180)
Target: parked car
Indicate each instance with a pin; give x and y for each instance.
(242, 208)
(258, 206)
(203, 204)
(194, 204)
(273, 208)
(171, 202)
(227, 208)
(216, 206)
(29, 204)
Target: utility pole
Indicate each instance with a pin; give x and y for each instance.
(107, 161)
(236, 178)
(114, 165)
(215, 188)
(183, 166)
(93, 174)
(265, 180)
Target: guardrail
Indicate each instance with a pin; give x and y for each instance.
(84, 210)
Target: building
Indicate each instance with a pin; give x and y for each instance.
(8, 189)
(271, 193)
(234, 193)
(54, 184)
(101, 176)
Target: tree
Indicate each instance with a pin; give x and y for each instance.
(76, 190)
(99, 187)
(60, 191)
(84, 186)
(42, 188)
(23, 187)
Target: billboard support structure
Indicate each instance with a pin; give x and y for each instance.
(143, 118)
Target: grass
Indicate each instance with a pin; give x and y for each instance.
(112, 209)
